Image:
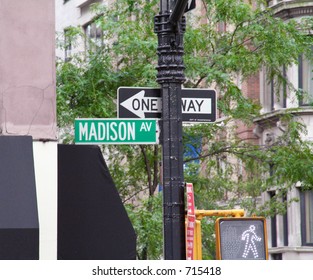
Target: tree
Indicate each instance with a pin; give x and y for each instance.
(225, 170)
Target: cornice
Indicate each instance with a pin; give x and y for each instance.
(293, 9)
(271, 118)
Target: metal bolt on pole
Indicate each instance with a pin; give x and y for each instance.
(170, 31)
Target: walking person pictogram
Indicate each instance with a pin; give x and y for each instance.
(250, 237)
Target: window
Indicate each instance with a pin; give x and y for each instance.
(285, 224)
(284, 89)
(307, 218)
(67, 45)
(94, 37)
(192, 151)
(272, 94)
(279, 225)
(277, 257)
(221, 27)
(277, 89)
(305, 81)
(273, 224)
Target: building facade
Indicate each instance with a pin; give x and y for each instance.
(290, 236)
(76, 13)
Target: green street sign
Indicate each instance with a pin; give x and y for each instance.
(116, 131)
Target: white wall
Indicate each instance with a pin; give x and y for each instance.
(45, 161)
(27, 68)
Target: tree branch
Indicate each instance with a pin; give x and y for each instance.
(133, 195)
(228, 149)
(155, 169)
(148, 168)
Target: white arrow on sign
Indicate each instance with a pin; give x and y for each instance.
(139, 104)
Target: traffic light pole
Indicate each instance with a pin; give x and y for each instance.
(170, 28)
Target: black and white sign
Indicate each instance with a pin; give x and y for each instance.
(198, 105)
(141, 103)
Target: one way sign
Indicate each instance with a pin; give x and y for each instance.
(198, 105)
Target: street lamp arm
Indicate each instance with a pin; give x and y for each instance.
(178, 11)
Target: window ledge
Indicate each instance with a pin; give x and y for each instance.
(271, 118)
(84, 3)
(279, 250)
(293, 9)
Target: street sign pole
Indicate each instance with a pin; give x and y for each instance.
(171, 76)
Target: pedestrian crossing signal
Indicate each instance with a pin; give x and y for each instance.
(241, 239)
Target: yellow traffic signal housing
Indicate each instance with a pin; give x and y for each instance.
(241, 239)
(200, 214)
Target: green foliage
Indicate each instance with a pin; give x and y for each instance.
(85, 88)
(135, 170)
(208, 239)
(226, 171)
(146, 221)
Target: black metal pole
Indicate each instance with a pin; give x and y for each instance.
(171, 76)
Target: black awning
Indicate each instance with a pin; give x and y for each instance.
(92, 221)
(19, 226)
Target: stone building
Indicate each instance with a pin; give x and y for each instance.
(291, 235)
